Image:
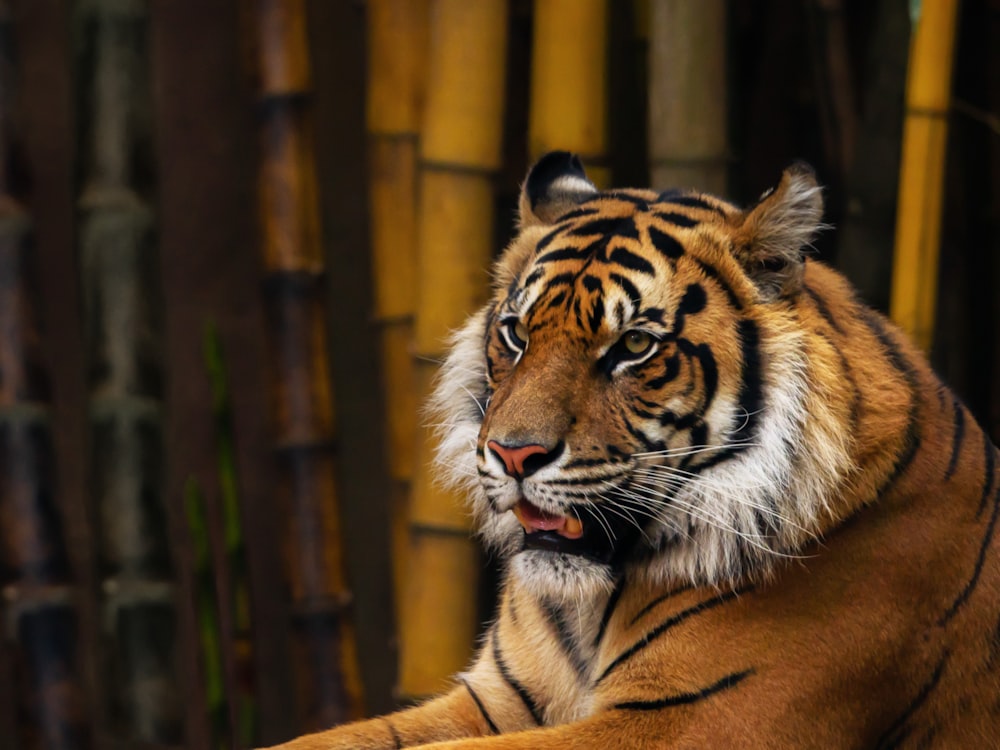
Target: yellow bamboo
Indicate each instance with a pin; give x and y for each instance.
(460, 148)
(687, 94)
(569, 82)
(921, 174)
(397, 48)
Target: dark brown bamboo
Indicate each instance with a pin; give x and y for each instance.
(834, 85)
(40, 601)
(329, 682)
(119, 269)
(865, 241)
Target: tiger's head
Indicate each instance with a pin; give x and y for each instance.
(631, 396)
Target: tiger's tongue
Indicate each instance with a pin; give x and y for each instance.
(534, 519)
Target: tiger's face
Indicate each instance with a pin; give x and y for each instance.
(619, 377)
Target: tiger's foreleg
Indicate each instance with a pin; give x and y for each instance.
(482, 703)
(450, 716)
(614, 730)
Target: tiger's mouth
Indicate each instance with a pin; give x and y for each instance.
(597, 541)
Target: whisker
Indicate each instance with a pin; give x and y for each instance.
(691, 450)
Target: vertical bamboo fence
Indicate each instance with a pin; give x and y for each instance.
(326, 668)
(569, 82)
(40, 602)
(688, 144)
(921, 175)
(119, 268)
(397, 50)
(459, 153)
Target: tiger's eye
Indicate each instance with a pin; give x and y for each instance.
(521, 331)
(638, 342)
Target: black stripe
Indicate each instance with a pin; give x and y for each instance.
(821, 306)
(577, 213)
(479, 705)
(397, 741)
(684, 699)
(658, 600)
(517, 687)
(676, 219)
(596, 316)
(648, 443)
(641, 203)
(628, 259)
(713, 273)
(958, 433)
(561, 279)
(617, 226)
(894, 734)
(679, 199)
(609, 609)
(751, 398)
(911, 441)
(669, 623)
(665, 243)
(628, 287)
(974, 580)
(547, 239)
(671, 368)
(990, 461)
(565, 637)
(563, 253)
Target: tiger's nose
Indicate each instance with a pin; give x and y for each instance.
(522, 461)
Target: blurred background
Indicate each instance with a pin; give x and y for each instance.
(235, 234)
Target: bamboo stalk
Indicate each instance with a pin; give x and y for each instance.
(326, 667)
(921, 174)
(569, 82)
(864, 248)
(459, 151)
(206, 605)
(688, 144)
(119, 267)
(397, 48)
(835, 89)
(40, 603)
(239, 637)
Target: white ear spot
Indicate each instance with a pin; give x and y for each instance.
(554, 185)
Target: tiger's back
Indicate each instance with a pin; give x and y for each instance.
(736, 506)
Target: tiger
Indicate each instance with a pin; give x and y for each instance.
(735, 506)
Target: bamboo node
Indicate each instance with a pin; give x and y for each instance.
(326, 606)
(122, 593)
(21, 599)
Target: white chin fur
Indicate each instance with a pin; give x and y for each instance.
(560, 578)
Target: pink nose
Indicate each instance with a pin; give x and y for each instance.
(521, 461)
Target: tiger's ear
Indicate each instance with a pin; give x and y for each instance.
(554, 185)
(774, 232)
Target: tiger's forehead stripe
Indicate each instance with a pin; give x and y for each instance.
(627, 236)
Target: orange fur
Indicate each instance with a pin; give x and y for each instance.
(819, 570)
